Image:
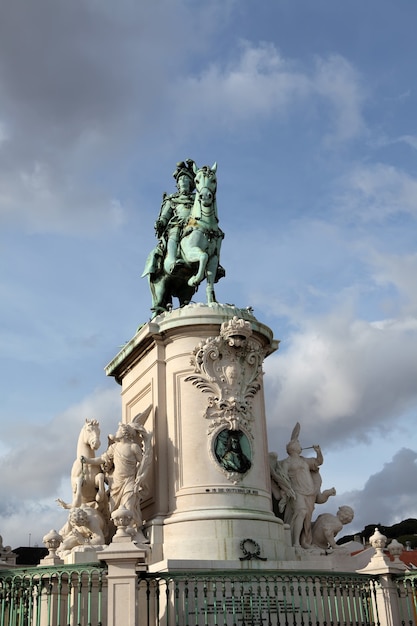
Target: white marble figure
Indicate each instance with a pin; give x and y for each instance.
(280, 485)
(326, 527)
(87, 481)
(126, 463)
(7, 556)
(84, 528)
(4, 549)
(305, 481)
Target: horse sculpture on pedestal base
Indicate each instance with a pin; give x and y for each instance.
(87, 481)
(198, 250)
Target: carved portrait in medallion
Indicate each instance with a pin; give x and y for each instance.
(232, 451)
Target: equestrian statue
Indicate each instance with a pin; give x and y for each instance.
(189, 239)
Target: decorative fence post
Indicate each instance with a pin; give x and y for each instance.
(123, 564)
(386, 599)
(124, 560)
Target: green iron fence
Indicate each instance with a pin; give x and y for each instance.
(406, 585)
(75, 595)
(53, 596)
(257, 599)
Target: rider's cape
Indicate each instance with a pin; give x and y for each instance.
(154, 262)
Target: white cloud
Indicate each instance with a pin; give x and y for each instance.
(37, 460)
(80, 86)
(43, 199)
(110, 90)
(30, 521)
(389, 496)
(409, 140)
(376, 192)
(399, 271)
(262, 84)
(343, 378)
(45, 446)
(338, 83)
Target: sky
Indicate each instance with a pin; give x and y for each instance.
(309, 110)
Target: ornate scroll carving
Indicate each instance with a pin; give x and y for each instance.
(229, 367)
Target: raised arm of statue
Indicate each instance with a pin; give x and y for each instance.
(98, 460)
(319, 454)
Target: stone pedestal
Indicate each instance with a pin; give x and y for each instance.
(124, 561)
(205, 386)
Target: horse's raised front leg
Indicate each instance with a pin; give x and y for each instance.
(196, 255)
(192, 249)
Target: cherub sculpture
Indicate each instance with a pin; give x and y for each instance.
(84, 528)
(326, 527)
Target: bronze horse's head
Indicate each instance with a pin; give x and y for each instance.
(206, 183)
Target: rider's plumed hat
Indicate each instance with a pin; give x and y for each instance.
(184, 168)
